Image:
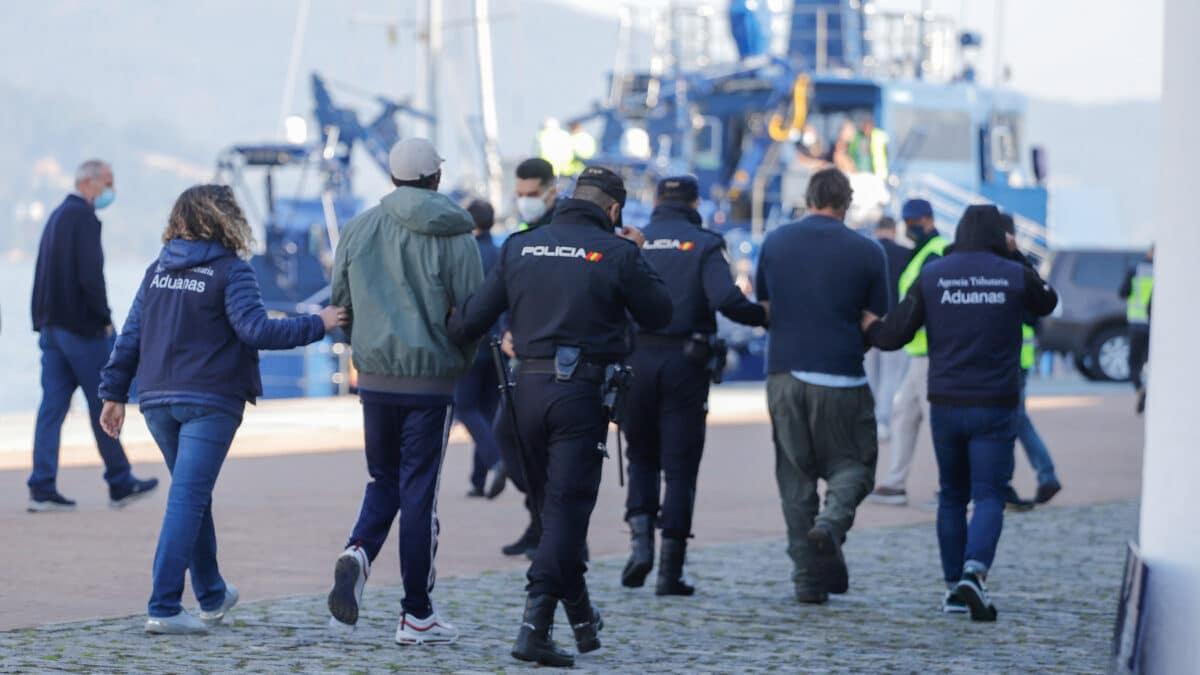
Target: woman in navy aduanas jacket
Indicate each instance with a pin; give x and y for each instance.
(192, 338)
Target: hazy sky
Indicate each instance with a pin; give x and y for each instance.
(1072, 50)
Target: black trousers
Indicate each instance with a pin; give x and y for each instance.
(664, 422)
(1139, 352)
(506, 438)
(563, 427)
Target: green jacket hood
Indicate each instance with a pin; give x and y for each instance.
(427, 212)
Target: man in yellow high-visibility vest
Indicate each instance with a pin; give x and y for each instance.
(1138, 291)
(911, 405)
(1031, 440)
(583, 148)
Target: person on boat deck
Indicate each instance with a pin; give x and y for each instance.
(192, 337)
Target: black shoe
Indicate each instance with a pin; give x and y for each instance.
(586, 622)
(641, 551)
(534, 642)
(1013, 502)
(809, 595)
(1046, 491)
(526, 545)
(670, 569)
(499, 479)
(50, 502)
(123, 495)
(1141, 400)
(830, 563)
(972, 592)
(475, 493)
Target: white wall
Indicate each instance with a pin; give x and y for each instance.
(1170, 526)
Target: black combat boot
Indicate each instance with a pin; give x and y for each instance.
(641, 551)
(670, 569)
(585, 622)
(534, 641)
(528, 542)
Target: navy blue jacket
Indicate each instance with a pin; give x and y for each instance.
(819, 276)
(193, 333)
(571, 282)
(68, 286)
(692, 262)
(489, 255)
(972, 303)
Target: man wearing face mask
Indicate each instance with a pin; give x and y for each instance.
(70, 311)
(537, 195)
(911, 406)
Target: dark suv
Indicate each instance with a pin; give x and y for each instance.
(1089, 322)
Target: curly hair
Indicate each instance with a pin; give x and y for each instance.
(210, 213)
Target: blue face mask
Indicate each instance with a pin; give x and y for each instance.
(104, 198)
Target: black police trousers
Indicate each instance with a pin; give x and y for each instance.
(664, 422)
(563, 427)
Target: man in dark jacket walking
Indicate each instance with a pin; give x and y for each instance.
(478, 396)
(70, 311)
(817, 276)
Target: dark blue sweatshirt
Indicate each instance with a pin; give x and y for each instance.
(819, 276)
(194, 331)
(68, 286)
(971, 303)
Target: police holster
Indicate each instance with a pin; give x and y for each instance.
(709, 351)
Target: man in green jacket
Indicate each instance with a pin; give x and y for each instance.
(399, 268)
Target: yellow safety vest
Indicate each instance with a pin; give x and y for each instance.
(1137, 307)
(583, 146)
(1028, 347)
(877, 146)
(554, 146)
(937, 245)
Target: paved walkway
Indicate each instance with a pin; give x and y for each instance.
(1055, 584)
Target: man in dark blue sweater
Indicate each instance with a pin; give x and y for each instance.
(70, 310)
(477, 396)
(817, 276)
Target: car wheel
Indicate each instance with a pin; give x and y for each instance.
(1085, 369)
(1109, 355)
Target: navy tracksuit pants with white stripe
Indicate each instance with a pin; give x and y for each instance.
(406, 437)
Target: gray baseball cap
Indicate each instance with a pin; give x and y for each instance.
(414, 158)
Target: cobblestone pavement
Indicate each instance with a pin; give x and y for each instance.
(1055, 584)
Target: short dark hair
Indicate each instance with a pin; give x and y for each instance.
(885, 223)
(829, 188)
(536, 167)
(482, 213)
(429, 182)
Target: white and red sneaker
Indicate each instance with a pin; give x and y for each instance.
(428, 631)
(349, 576)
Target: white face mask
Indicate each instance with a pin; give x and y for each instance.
(531, 208)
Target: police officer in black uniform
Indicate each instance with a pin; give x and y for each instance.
(569, 288)
(673, 365)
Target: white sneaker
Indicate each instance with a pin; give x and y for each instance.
(218, 615)
(428, 631)
(349, 576)
(180, 624)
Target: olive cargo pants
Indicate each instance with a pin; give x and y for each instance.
(823, 433)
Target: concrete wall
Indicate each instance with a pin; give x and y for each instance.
(1170, 524)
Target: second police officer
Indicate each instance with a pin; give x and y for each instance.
(569, 289)
(668, 400)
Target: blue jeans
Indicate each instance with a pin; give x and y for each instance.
(71, 361)
(1035, 447)
(475, 403)
(194, 440)
(974, 448)
(405, 444)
